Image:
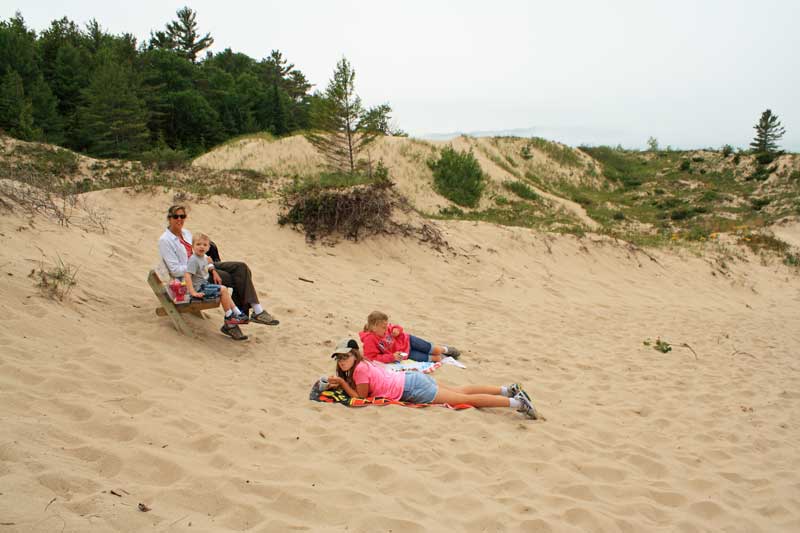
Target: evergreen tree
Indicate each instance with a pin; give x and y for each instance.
(768, 132)
(16, 112)
(18, 49)
(45, 112)
(193, 123)
(114, 119)
(278, 111)
(183, 33)
(341, 127)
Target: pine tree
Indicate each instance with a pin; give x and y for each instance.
(183, 33)
(114, 119)
(768, 132)
(16, 111)
(45, 112)
(341, 127)
(277, 111)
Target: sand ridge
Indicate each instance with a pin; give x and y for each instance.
(98, 393)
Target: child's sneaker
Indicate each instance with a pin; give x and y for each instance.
(235, 320)
(526, 407)
(516, 388)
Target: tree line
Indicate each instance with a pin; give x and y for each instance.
(110, 96)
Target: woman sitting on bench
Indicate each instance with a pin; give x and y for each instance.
(175, 248)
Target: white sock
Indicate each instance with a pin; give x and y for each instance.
(504, 391)
(514, 403)
(444, 349)
(257, 308)
(228, 313)
(236, 310)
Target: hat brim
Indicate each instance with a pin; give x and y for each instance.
(341, 350)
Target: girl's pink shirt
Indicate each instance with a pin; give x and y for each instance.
(382, 382)
(377, 348)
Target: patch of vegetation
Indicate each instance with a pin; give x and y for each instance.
(458, 177)
(563, 155)
(621, 167)
(57, 280)
(353, 212)
(521, 189)
(760, 242)
(165, 158)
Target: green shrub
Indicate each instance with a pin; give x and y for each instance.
(585, 201)
(681, 214)
(727, 150)
(501, 200)
(685, 165)
(765, 158)
(618, 215)
(451, 211)
(563, 155)
(165, 158)
(709, 196)
(758, 203)
(458, 177)
(521, 189)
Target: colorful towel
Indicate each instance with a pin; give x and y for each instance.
(339, 396)
(425, 367)
(410, 365)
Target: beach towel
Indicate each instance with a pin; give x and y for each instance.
(426, 367)
(339, 396)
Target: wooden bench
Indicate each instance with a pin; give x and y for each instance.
(173, 310)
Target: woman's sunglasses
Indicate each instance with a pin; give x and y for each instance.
(343, 356)
(177, 216)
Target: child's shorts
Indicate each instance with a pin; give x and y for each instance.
(419, 388)
(210, 291)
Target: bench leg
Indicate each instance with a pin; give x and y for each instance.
(169, 307)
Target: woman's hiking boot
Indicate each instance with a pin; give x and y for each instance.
(264, 318)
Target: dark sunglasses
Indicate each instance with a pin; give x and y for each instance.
(343, 356)
(177, 216)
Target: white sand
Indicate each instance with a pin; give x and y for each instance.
(98, 393)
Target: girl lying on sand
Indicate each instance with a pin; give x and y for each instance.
(360, 378)
(388, 343)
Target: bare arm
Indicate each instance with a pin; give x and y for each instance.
(361, 390)
(214, 275)
(187, 278)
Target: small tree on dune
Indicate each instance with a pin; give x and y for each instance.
(768, 132)
(341, 127)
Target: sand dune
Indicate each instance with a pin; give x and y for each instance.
(98, 394)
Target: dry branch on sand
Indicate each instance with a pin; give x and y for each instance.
(354, 213)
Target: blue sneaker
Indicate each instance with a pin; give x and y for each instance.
(235, 320)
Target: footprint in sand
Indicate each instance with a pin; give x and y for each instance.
(106, 464)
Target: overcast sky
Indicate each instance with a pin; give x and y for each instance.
(690, 73)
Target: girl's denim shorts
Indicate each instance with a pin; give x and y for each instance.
(419, 388)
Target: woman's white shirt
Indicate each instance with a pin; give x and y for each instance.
(173, 253)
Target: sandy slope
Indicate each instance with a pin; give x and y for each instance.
(99, 394)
